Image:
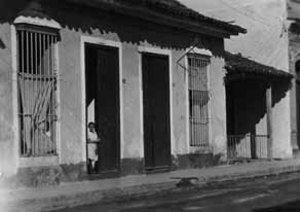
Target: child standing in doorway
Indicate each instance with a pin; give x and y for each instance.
(93, 140)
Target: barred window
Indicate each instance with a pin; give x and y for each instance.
(37, 80)
(198, 100)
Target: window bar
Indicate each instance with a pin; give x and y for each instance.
(193, 101)
(196, 102)
(48, 81)
(53, 102)
(50, 117)
(198, 116)
(42, 113)
(31, 94)
(36, 138)
(28, 142)
(201, 107)
(202, 98)
(43, 82)
(38, 92)
(192, 111)
(199, 92)
(38, 76)
(21, 69)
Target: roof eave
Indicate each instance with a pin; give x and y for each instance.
(199, 27)
(237, 64)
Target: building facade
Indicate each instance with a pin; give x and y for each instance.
(266, 43)
(148, 75)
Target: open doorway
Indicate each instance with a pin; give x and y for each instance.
(102, 109)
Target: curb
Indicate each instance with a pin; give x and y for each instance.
(136, 192)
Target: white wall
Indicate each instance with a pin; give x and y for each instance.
(266, 42)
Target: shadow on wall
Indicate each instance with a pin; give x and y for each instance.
(246, 103)
(2, 44)
(129, 30)
(246, 115)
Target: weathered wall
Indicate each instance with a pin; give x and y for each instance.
(266, 42)
(180, 143)
(131, 147)
(70, 98)
(8, 150)
(8, 142)
(131, 34)
(218, 107)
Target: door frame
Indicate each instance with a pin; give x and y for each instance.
(162, 52)
(104, 43)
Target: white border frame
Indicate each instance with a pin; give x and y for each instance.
(101, 42)
(164, 52)
(33, 161)
(204, 53)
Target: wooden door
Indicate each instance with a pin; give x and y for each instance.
(156, 99)
(107, 108)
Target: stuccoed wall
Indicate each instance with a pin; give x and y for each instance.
(266, 42)
(218, 107)
(8, 148)
(70, 98)
(131, 34)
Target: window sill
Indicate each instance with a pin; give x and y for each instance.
(39, 161)
(201, 149)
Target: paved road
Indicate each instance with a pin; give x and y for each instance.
(281, 193)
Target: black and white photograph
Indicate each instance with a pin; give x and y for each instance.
(149, 105)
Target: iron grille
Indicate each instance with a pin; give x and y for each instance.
(247, 147)
(37, 79)
(198, 99)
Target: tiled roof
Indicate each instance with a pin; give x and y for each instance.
(33, 14)
(237, 64)
(33, 9)
(167, 7)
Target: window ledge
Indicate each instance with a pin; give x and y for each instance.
(201, 149)
(39, 161)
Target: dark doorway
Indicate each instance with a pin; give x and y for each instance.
(245, 109)
(156, 99)
(297, 70)
(102, 106)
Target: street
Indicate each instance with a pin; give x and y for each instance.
(278, 193)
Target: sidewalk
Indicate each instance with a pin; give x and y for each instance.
(87, 192)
